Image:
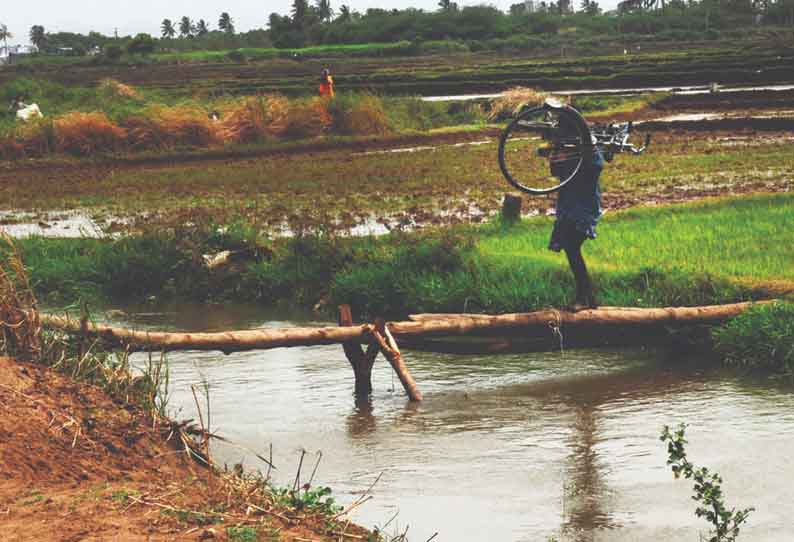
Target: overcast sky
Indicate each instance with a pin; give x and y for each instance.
(131, 17)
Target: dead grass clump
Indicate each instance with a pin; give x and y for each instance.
(20, 329)
(299, 118)
(512, 100)
(183, 126)
(144, 133)
(248, 121)
(358, 114)
(29, 139)
(83, 134)
(116, 88)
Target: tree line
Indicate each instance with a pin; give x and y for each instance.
(482, 26)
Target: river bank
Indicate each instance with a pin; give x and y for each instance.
(79, 464)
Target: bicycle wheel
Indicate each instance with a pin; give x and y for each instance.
(543, 148)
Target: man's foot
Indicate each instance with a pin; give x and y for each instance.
(578, 306)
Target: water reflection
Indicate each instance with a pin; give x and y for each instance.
(511, 447)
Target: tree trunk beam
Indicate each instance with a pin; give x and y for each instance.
(530, 325)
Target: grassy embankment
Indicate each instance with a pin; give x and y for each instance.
(698, 253)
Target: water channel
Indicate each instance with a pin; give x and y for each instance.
(509, 447)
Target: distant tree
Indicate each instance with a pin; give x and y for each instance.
(113, 51)
(167, 30)
(5, 35)
(300, 10)
(225, 23)
(447, 5)
(141, 44)
(185, 27)
(37, 36)
(201, 28)
(324, 10)
(590, 7)
(344, 14)
(519, 9)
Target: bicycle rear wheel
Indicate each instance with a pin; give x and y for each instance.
(543, 148)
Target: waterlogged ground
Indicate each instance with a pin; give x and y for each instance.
(518, 447)
(360, 191)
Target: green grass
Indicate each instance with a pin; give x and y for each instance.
(760, 339)
(692, 254)
(698, 253)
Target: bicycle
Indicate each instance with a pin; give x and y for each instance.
(541, 142)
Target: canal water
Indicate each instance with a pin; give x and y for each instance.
(510, 447)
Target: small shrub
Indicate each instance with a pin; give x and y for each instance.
(357, 114)
(113, 52)
(708, 489)
(82, 134)
(761, 338)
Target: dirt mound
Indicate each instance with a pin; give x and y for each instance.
(77, 466)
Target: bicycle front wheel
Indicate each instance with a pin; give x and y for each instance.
(544, 148)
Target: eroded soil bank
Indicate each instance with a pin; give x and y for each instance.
(75, 465)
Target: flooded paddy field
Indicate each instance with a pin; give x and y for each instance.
(511, 447)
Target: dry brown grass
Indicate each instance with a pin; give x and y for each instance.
(179, 126)
(248, 121)
(359, 115)
(299, 118)
(113, 87)
(83, 134)
(512, 100)
(20, 328)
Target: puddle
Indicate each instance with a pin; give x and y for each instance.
(51, 224)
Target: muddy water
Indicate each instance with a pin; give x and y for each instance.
(509, 447)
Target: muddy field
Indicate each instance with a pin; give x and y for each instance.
(434, 75)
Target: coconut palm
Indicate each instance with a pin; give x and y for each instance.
(300, 8)
(201, 28)
(167, 29)
(225, 23)
(344, 14)
(185, 27)
(324, 10)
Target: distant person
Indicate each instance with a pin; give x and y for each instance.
(326, 84)
(578, 210)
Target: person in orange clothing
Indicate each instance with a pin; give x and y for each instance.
(326, 84)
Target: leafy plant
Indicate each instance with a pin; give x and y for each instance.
(708, 488)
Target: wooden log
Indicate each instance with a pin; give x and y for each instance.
(388, 346)
(361, 361)
(534, 324)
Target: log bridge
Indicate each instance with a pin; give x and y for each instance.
(545, 330)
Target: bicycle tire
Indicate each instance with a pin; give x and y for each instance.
(568, 143)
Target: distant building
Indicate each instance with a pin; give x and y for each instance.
(7, 54)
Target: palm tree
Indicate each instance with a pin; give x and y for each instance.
(344, 14)
(4, 35)
(447, 5)
(225, 23)
(201, 28)
(324, 10)
(299, 10)
(185, 27)
(37, 36)
(167, 28)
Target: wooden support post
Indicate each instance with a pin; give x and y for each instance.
(511, 209)
(392, 353)
(360, 361)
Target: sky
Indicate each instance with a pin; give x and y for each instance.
(131, 17)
